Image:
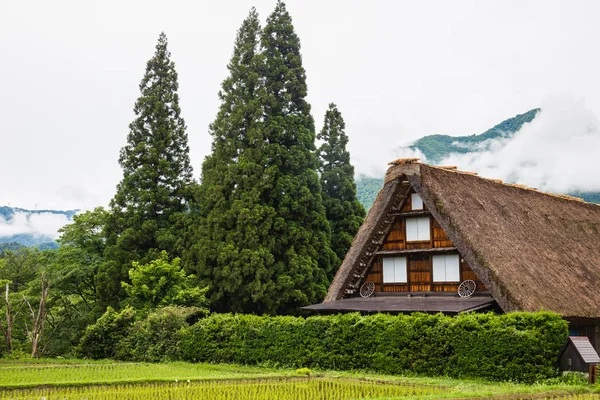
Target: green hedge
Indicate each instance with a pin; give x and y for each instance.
(152, 337)
(516, 346)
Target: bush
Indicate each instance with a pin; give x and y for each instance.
(516, 346)
(102, 339)
(154, 338)
(117, 335)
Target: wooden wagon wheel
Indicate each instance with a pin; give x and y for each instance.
(367, 289)
(466, 288)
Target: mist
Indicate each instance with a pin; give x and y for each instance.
(37, 224)
(556, 152)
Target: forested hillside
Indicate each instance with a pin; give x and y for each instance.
(28, 239)
(437, 147)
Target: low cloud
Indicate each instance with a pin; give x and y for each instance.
(557, 152)
(407, 152)
(365, 167)
(39, 224)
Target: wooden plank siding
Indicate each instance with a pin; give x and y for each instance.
(419, 265)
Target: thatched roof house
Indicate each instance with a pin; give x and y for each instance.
(432, 228)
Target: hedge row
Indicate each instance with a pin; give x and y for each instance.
(516, 346)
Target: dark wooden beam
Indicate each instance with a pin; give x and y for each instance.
(417, 213)
(413, 251)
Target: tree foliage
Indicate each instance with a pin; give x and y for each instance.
(148, 208)
(161, 283)
(74, 268)
(229, 247)
(344, 211)
(299, 238)
(25, 278)
(263, 237)
(101, 340)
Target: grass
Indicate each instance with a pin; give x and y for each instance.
(257, 389)
(70, 379)
(76, 373)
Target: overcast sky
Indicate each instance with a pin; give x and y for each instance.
(398, 70)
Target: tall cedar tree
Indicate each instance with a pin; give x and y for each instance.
(344, 212)
(148, 209)
(263, 238)
(232, 236)
(299, 238)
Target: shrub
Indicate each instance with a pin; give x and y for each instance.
(154, 338)
(102, 339)
(515, 346)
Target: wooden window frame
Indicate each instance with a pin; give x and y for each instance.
(406, 271)
(418, 240)
(433, 281)
(412, 207)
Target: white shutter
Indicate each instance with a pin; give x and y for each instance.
(417, 229)
(423, 228)
(416, 202)
(439, 268)
(394, 270)
(412, 232)
(388, 270)
(446, 268)
(452, 268)
(400, 266)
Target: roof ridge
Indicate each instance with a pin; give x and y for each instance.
(516, 185)
(454, 168)
(403, 161)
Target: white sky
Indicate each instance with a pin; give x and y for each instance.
(398, 70)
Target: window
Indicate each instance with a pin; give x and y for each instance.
(416, 202)
(417, 229)
(394, 270)
(446, 268)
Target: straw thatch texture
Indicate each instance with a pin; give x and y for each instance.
(532, 250)
(365, 242)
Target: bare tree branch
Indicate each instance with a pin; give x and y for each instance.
(39, 320)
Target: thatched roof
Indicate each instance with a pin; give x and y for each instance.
(532, 250)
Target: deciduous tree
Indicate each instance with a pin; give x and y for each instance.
(161, 283)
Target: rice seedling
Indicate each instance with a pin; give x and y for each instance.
(280, 389)
(29, 375)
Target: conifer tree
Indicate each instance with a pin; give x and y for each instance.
(263, 237)
(147, 210)
(300, 236)
(344, 212)
(232, 234)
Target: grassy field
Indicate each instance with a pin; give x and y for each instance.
(77, 379)
(22, 375)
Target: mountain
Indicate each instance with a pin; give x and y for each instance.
(8, 212)
(437, 147)
(29, 237)
(9, 246)
(367, 189)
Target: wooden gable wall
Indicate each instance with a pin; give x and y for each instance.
(419, 255)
